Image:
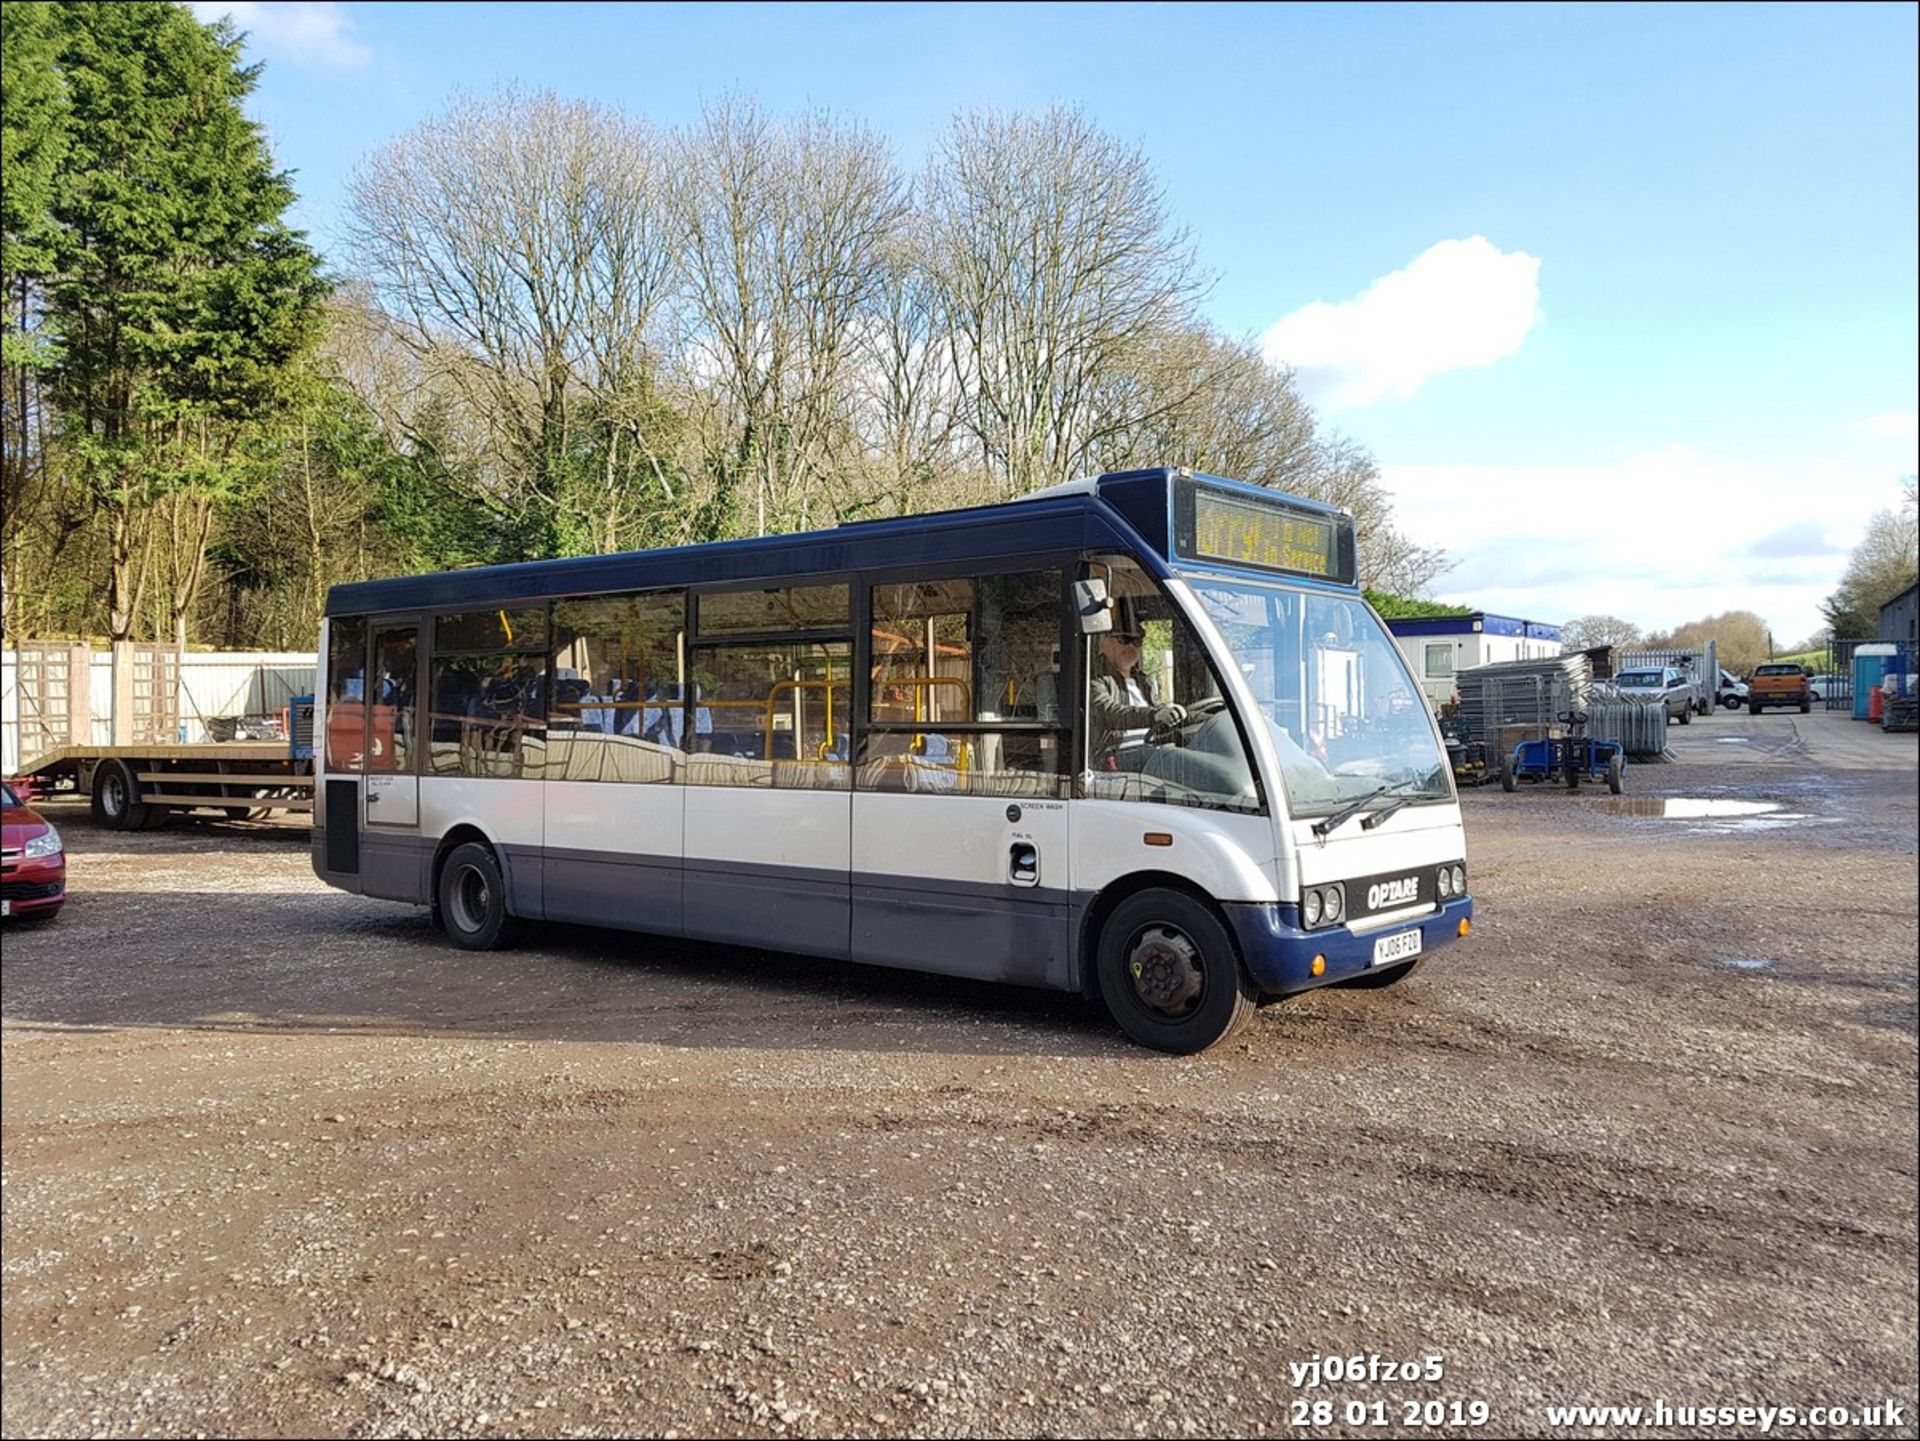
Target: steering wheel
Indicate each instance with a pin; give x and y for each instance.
(1198, 714)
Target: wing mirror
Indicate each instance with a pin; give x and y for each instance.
(1092, 604)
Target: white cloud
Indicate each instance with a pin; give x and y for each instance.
(1895, 426)
(301, 32)
(1659, 538)
(1460, 304)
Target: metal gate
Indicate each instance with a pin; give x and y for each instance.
(1836, 686)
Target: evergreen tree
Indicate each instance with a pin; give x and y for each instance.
(178, 293)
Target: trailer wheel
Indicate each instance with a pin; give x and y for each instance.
(116, 803)
(1509, 782)
(1616, 770)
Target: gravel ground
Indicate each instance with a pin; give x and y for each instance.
(277, 1161)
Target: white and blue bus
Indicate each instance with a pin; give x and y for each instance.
(1138, 737)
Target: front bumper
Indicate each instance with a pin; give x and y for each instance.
(35, 887)
(1279, 953)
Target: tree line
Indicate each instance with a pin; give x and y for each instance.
(557, 328)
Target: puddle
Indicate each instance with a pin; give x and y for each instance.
(1681, 808)
(1732, 741)
(1747, 963)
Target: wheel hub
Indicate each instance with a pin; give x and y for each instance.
(470, 899)
(1165, 966)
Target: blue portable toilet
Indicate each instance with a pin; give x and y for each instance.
(1870, 664)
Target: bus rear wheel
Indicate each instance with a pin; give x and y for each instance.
(1170, 975)
(473, 900)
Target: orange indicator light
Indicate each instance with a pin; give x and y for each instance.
(1319, 965)
(1466, 927)
(1158, 838)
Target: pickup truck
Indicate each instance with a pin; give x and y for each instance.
(1669, 685)
(1778, 684)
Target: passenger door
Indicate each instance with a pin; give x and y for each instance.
(960, 823)
(392, 859)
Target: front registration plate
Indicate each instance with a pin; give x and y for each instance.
(6, 909)
(1396, 948)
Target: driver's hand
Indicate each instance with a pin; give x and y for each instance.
(1166, 717)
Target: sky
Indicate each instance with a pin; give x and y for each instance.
(1623, 299)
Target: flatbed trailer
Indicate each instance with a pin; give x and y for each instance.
(146, 784)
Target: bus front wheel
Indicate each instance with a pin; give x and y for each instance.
(473, 900)
(1170, 975)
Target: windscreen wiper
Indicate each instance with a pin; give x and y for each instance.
(1380, 817)
(1326, 827)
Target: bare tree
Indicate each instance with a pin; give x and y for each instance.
(786, 228)
(1056, 260)
(525, 246)
(1588, 631)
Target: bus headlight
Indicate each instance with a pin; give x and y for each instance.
(1459, 880)
(1322, 905)
(1445, 878)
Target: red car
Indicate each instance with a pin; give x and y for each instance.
(33, 865)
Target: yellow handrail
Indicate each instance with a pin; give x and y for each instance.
(826, 685)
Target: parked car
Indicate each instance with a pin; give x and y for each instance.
(1829, 684)
(33, 864)
(1667, 684)
(1732, 691)
(1778, 683)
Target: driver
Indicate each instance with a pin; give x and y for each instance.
(1125, 710)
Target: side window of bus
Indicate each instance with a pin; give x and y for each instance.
(488, 716)
(1158, 724)
(965, 696)
(346, 694)
(768, 706)
(615, 713)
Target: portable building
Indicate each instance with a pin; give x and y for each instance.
(1438, 647)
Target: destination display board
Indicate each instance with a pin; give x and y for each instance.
(1233, 528)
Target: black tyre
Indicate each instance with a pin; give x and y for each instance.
(1805, 706)
(1170, 973)
(116, 800)
(1379, 980)
(1616, 771)
(1686, 716)
(1509, 781)
(1753, 708)
(1731, 702)
(472, 897)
